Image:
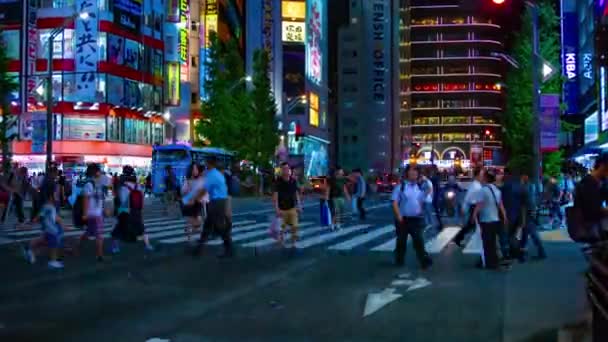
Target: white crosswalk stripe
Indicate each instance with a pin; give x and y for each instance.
(387, 246)
(247, 236)
(441, 240)
(319, 239)
(361, 239)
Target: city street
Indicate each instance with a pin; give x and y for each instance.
(335, 286)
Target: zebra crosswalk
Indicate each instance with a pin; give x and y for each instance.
(249, 233)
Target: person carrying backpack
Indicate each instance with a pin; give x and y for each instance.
(129, 204)
(408, 201)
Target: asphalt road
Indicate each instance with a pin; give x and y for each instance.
(310, 294)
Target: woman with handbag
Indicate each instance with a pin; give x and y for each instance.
(193, 211)
(491, 216)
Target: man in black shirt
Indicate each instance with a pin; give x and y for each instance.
(588, 195)
(286, 199)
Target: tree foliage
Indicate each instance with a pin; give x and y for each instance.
(7, 85)
(236, 118)
(517, 120)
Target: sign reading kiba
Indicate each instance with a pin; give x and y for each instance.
(570, 69)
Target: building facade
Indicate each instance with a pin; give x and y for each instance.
(451, 84)
(368, 113)
(295, 34)
(115, 71)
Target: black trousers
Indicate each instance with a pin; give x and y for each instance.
(469, 226)
(218, 222)
(18, 203)
(413, 226)
(489, 233)
(360, 208)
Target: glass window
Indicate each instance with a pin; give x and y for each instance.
(425, 21)
(456, 137)
(455, 51)
(165, 156)
(157, 64)
(114, 128)
(455, 120)
(456, 68)
(479, 120)
(9, 41)
(63, 44)
(116, 47)
(434, 120)
(102, 44)
(132, 54)
(454, 35)
(157, 133)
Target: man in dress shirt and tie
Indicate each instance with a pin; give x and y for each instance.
(408, 201)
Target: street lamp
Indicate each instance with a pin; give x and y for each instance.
(247, 79)
(49, 92)
(293, 103)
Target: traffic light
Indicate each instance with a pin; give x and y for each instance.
(487, 132)
(498, 2)
(298, 131)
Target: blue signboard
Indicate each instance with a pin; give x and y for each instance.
(570, 56)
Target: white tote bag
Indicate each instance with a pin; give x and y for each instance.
(475, 245)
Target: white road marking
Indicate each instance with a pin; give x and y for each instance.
(361, 239)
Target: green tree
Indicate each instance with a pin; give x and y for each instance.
(261, 129)
(235, 118)
(517, 120)
(7, 85)
(226, 106)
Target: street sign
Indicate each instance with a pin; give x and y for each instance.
(548, 70)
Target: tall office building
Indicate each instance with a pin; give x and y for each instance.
(451, 84)
(368, 114)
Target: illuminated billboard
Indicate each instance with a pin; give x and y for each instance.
(293, 10)
(315, 40)
(293, 31)
(184, 53)
(313, 111)
(173, 85)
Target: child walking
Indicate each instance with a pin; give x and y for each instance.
(52, 234)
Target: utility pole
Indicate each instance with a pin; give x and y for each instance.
(536, 67)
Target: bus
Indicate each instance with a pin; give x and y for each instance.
(180, 158)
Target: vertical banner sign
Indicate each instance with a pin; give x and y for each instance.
(209, 24)
(314, 40)
(38, 132)
(549, 122)
(591, 128)
(184, 54)
(32, 46)
(603, 99)
(86, 50)
(173, 11)
(268, 35)
(570, 59)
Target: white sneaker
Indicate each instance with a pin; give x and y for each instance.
(55, 264)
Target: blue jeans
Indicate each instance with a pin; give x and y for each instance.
(530, 229)
(429, 210)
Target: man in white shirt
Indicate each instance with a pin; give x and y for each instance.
(490, 214)
(428, 208)
(408, 200)
(470, 199)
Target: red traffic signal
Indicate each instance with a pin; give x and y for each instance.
(498, 2)
(488, 132)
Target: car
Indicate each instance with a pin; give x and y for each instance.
(317, 184)
(386, 183)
